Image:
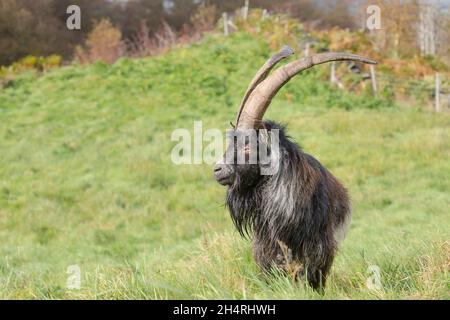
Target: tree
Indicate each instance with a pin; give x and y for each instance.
(29, 28)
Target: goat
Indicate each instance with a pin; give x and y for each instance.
(298, 214)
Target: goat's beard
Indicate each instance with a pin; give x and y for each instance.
(243, 205)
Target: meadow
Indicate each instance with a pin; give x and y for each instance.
(86, 179)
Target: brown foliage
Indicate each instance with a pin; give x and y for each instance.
(144, 44)
(104, 43)
(204, 19)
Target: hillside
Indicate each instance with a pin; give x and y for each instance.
(86, 179)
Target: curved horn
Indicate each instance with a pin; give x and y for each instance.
(262, 73)
(256, 104)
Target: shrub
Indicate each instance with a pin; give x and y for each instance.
(277, 29)
(104, 43)
(28, 63)
(143, 44)
(50, 62)
(204, 19)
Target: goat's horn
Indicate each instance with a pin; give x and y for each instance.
(254, 107)
(262, 73)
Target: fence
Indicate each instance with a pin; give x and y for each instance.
(436, 92)
(435, 89)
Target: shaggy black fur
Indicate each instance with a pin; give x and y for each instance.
(302, 207)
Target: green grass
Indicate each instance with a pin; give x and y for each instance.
(86, 179)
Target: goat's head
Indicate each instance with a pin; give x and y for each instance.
(242, 163)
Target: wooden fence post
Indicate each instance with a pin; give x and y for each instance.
(306, 52)
(373, 78)
(225, 23)
(245, 9)
(437, 94)
(333, 78)
(333, 72)
(264, 14)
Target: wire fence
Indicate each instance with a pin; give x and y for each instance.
(435, 90)
(431, 91)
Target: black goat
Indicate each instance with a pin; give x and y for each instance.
(298, 213)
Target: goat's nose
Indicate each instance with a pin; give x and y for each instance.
(217, 168)
(222, 173)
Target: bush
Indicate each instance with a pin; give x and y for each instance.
(28, 63)
(104, 43)
(277, 29)
(204, 18)
(35, 63)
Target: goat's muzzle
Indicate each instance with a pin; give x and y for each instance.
(223, 173)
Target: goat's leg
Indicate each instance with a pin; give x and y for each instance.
(317, 270)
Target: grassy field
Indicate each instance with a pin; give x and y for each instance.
(86, 179)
